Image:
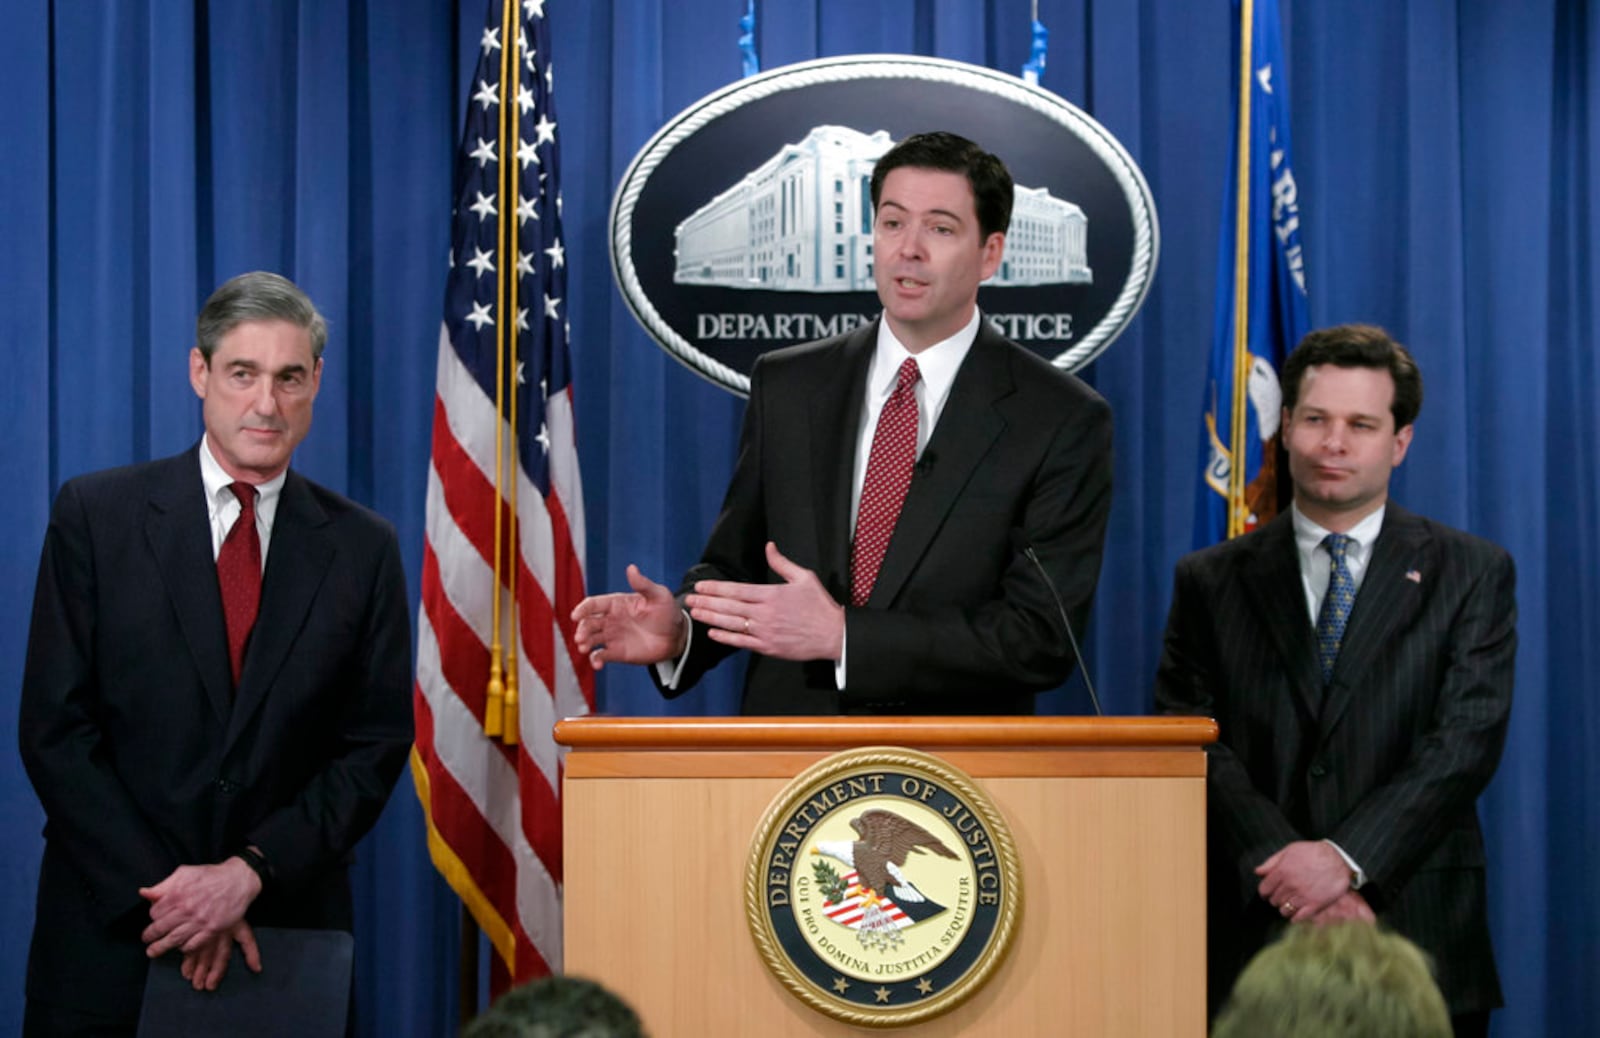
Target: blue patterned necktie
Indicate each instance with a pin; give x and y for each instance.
(1335, 604)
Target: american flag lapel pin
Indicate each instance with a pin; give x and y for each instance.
(1414, 575)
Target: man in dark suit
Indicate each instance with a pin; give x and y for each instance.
(871, 547)
(216, 698)
(1358, 661)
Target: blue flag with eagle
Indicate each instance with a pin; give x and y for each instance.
(1261, 290)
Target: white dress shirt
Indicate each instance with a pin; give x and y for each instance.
(1316, 567)
(937, 366)
(223, 508)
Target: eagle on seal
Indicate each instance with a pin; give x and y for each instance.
(886, 841)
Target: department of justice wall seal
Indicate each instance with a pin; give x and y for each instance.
(882, 887)
(745, 224)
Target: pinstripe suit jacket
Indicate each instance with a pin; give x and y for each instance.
(1387, 762)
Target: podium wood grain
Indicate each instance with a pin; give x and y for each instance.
(1109, 827)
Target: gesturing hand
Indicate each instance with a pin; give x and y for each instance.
(644, 625)
(795, 620)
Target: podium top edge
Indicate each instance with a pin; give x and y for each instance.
(721, 733)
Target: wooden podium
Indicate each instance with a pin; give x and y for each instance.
(1108, 817)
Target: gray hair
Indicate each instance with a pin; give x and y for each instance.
(257, 296)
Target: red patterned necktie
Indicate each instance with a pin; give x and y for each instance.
(239, 576)
(889, 466)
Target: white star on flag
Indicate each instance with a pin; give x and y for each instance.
(486, 96)
(480, 316)
(524, 265)
(557, 254)
(545, 129)
(527, 209)
(482, 262)
(483, 206)
(490, 41)
(550, 307)
(484, 152)
(526, 153)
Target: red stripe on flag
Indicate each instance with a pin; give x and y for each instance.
(541, 815)
(569, 592)
(459, 822)
(467, 493)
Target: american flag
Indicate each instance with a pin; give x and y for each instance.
(503, 563)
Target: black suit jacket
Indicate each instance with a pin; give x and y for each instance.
(144, 756)
(959, 621)
(1388, 763)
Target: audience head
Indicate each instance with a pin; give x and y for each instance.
(1341, 980)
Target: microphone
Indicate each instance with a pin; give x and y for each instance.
(1019, 540)
(925, 463)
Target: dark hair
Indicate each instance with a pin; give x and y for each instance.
(992, 190)
(557, 1007)
(1357, 346)
(257, 296)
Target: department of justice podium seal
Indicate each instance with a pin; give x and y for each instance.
(882, 887)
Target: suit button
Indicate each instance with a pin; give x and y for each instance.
(1318, 771)
(227, 787)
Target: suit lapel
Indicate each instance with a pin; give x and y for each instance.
(835, 424)
(1272, 579)
(967, 429)
(297, 562)
(1391, 592)
(177, 527)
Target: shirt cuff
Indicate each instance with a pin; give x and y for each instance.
(669, 671)
(1358, 878)
(838, 668)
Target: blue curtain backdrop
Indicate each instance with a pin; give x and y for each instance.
(1447, 163)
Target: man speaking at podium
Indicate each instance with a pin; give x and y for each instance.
(872, 551)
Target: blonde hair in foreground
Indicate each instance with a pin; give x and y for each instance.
(1342, 980)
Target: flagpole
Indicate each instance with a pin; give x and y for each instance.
(494, 704)
(508, 276)
(1241, 282)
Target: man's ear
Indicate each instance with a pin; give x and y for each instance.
(1402, 443)
(199, 372)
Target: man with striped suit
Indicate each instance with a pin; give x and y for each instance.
(1358, 661)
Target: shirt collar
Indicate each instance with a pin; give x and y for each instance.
(1308, 535)
(216, 482)
(938, 363)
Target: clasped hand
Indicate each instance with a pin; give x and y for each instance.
(199, 909)
(1309, 881)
